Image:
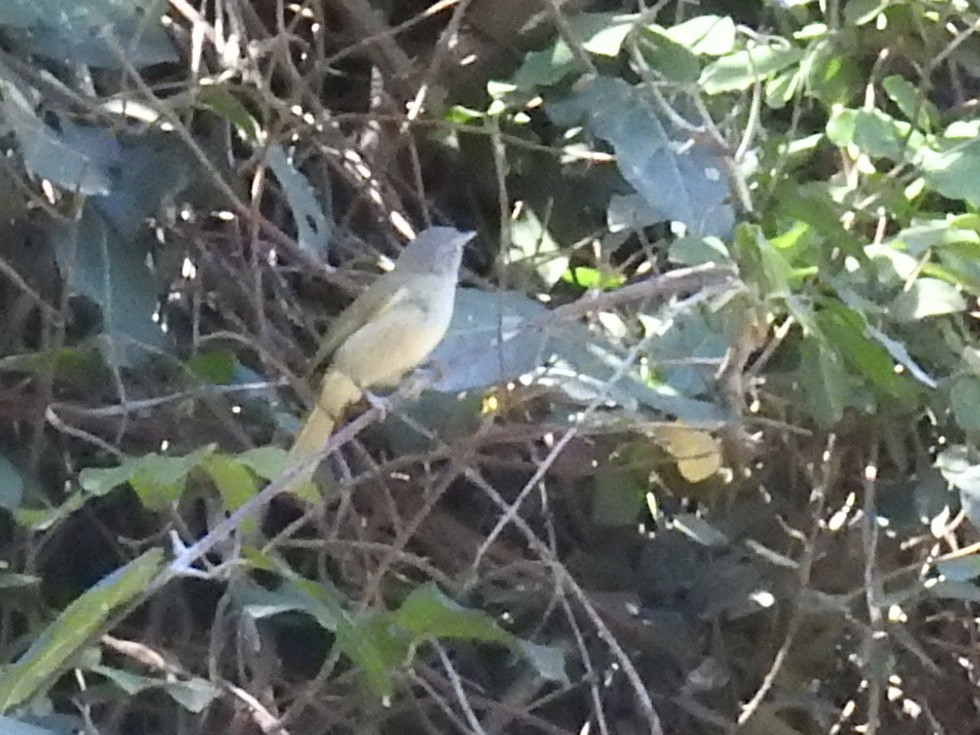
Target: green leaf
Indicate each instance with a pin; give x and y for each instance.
(233, 480)
(222, 101)
(363, 639)
(859, 12)
(45, 151)
(547, 661)
(761, 262)
(962, 569)
(9, 726)
(954, 173)
(104, 33)
(74, 627)
(740, 70)
(705, 35)
(674, 62)
(950, 590)
(11, 484)
(535, 249)
(911, 101)
(66, 363)
(823, 383)
(678, 182)
(111, 270)
(936, 233)
(266, 462)
(845, 332)
(545, 68)
(618, 498)
(194, 694)
(101, 480)
(593, 278)
(312, 226)
(692, 251)
(830, 78)
(964, 398)
(927, 297)
(427, 612)
(485, 343)
(781, 88)
(601, 33)
(215, 367)
(157, 480)
(874, 133)
(901, 355)
(129, 682)
(46, 518)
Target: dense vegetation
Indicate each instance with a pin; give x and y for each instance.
(698, 454)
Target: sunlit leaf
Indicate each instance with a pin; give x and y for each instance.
(742, 69)
(427, 611)
(697, 453)
(927, 297)
(678, 181)
(705, 35)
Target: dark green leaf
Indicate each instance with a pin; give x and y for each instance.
(845, 332)
(962, 569)
(672, 60)
(964, 397)
(11, 484)
(107, 33)
(617, 499)
(111, 270)
(954, 173)
(601, 33)
(548, 661)
(222, 101)
(698, 250)
(823, 383)
(545, 68)
(911, 101)
(45, 152)
(216, 367)
(677, 181)
(75, 625)
(313, 229)
(10, 726)
(487, 342)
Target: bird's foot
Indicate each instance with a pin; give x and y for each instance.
(420, 380)
(379, 403)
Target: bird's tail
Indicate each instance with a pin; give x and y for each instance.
(337, 391)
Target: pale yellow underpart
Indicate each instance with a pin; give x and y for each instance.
(399, 333)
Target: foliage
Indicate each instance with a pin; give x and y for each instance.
(697, 454)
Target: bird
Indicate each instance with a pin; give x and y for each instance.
(388, 330)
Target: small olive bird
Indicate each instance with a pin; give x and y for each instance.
(386, 331)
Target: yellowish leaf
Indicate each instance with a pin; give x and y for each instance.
(696, 452)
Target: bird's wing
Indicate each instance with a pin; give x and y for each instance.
(375, 300)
